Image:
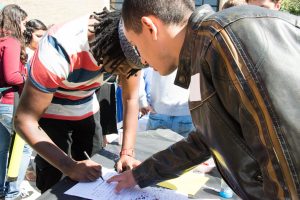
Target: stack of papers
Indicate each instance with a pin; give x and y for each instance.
(102, 190)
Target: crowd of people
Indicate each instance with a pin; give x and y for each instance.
(220, 79)
(62, 75)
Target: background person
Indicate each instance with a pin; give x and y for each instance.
(35, 30)
(166, 103)
(231, 3)
(270, 4)
(12, 75)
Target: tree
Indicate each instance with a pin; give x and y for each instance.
(291, 6)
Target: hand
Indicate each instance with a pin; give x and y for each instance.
(85, 170)
(105, 141)
(126, 162)
(125, 180)
(146, 110)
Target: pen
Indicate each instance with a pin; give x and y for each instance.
(88, 157)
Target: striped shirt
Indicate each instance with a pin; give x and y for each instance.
(63, 65)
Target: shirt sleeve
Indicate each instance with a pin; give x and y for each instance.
(11, 63)
(171, 162)
(49, 66)
(142, 93)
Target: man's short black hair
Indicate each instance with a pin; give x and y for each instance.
(168, 11)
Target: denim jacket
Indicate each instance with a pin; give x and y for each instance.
(242, 66)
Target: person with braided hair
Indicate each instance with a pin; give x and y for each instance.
(58, 113)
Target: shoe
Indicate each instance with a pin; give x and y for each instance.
(24, 194)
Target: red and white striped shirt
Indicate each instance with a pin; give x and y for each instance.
(63, 65)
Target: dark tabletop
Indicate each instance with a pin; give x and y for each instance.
(147, 143)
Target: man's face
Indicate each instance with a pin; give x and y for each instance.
(265, 3)
(153, 51)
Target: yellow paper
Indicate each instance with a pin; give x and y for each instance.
(16, 158)
(188, 183)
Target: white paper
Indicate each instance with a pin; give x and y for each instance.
(195, 94)
(102, 190)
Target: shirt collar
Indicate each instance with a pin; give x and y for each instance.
(183, 76)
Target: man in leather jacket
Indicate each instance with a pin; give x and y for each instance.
(242, 68)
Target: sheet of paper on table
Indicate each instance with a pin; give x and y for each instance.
(101, 190)
(188, 183)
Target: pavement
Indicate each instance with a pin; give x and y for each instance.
(58, 11)
(31, 189)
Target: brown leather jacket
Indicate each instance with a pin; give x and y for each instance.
(242, 66)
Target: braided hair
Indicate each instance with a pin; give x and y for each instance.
(106, 47)
(31, 26)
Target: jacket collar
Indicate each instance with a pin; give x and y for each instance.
(183, 76)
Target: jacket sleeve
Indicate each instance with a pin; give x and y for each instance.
(171, 162)
(11, 63)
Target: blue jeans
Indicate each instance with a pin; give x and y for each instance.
(6, 112)
(182, 125)
(10, 190)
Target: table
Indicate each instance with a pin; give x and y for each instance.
(147, 143)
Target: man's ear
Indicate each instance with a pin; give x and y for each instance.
(149, 25)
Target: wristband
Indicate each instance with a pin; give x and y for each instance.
(127, 152)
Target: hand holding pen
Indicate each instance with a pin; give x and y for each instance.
(88, 157)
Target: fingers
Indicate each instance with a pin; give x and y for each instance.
(124, 180)
(90, 178)
(129, 166)
(94, 173)
(122, 184)
(123, 166)
(86, 170)
(115, 178)
(119, 166)
(126, 163)
(136, 163)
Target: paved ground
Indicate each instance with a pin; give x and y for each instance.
(30, 187)
(57, 11)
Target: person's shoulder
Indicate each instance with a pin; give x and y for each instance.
(10, 42)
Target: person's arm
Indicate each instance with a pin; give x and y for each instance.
(142, 93)
(166, 164)
(32, 105)
(130, 97)
(11, 63)
(144, 105)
